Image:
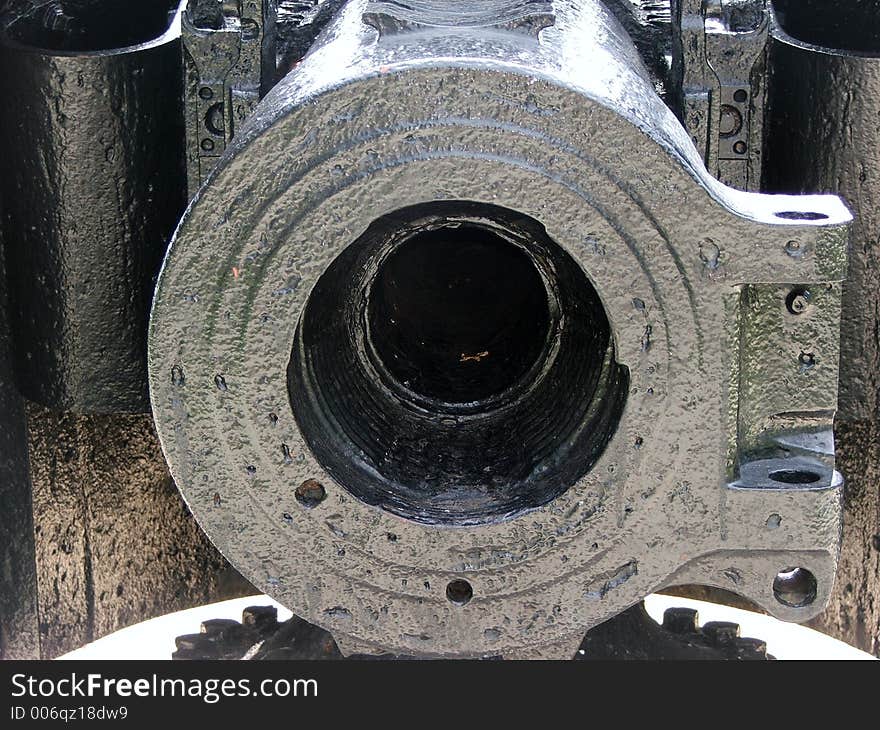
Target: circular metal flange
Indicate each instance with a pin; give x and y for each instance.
(223, 330)
(316, 168)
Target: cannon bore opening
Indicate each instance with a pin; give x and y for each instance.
(454, 365)
(458, 314)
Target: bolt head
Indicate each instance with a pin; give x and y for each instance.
(798, 302)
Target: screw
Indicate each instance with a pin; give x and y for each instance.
(259, 616)
(310, 493)
(794, 249)
(798, 301)
(721, 633)
(731, 121)
(680, 620)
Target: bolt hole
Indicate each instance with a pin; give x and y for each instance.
(214, 121)
(249, 29)
(795, 587)
(794, 476)
(807, 361)
(310, 493)
(801, 215)
(798, 301)
(459, 592)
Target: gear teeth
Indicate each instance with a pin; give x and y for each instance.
(216, 626)
(751, 649)
(222, 638)
(196, 646)
(680, 620)
(259, 616)
(261, 636)
(721, 633)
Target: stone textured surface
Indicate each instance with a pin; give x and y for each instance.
(115, 542)
(853, 613)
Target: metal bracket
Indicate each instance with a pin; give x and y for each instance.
(229, 63)
(721, 50)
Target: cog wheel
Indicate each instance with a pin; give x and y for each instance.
(631, 635)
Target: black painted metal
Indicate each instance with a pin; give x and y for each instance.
(93, 186)
(19, 623)
(630, 635)
(456, 390)
(823, 136)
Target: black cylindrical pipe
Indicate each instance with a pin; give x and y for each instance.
(92, 187)
(823, 136)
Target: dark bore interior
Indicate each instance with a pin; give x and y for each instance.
(458, 314)
(86, 25)
(850, 25)
(455, 366)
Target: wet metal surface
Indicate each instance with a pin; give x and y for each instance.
(19, 637)
(825, 102)
(413, 479)
(715, 440)
(93, 186)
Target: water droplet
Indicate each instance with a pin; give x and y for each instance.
(646, 338)
(291, 286)
(710, 254)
